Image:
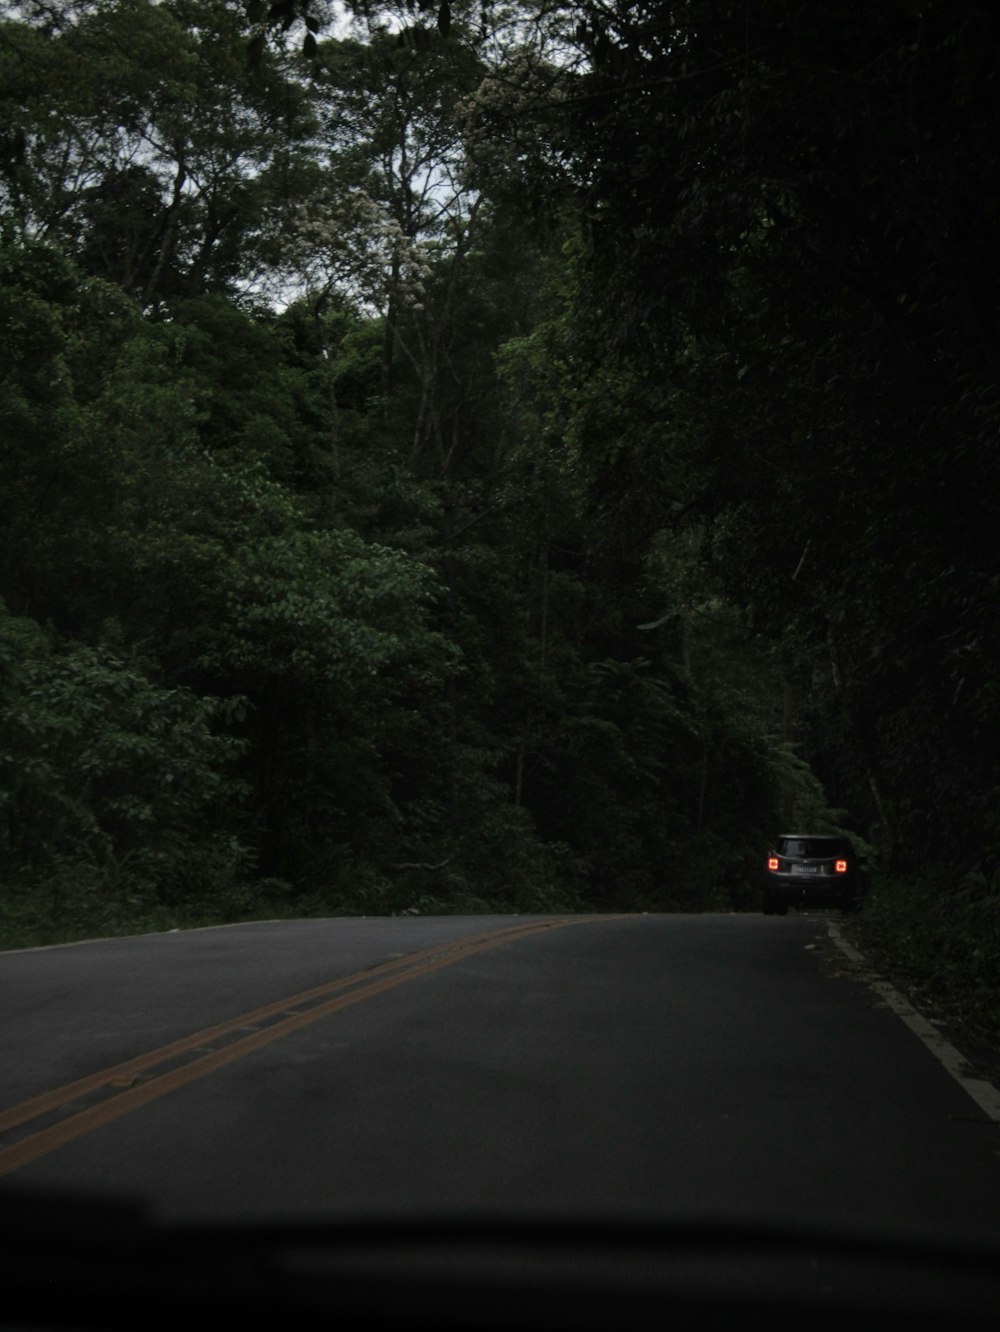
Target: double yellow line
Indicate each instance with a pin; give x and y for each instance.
(80, 1107)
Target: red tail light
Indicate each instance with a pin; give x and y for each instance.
(841, 867)
(772, 864)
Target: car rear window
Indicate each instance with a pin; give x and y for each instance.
(813, 847)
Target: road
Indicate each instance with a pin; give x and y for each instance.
(638, 1067)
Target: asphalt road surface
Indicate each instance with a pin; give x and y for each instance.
(638, 1067)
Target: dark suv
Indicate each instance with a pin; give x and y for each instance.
(809, 869)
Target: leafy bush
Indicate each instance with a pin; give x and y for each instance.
(110, 784)
(941, 941)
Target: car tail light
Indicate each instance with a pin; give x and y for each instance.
(841, 867)
(772, 864)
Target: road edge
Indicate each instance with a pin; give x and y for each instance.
(982, 1091)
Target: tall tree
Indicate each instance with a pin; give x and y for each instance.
(138, 139)
(787, 225)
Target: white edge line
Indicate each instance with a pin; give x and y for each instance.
(985, 1095)
(239, 924)
(121, 938)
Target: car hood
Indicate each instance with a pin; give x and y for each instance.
(74, 1263)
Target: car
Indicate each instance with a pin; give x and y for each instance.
(812, 870)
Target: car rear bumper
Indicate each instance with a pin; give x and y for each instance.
(808, 890)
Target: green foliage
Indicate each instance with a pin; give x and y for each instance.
(381, 602)
(938, 936)
(139, 142)
(324, 609)
(793, 284)
(101, 768)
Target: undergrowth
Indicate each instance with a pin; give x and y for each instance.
(940, 944)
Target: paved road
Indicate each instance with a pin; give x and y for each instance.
(635, 1067)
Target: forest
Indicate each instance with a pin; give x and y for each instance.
(501, 455)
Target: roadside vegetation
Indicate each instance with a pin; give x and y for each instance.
(940, 944)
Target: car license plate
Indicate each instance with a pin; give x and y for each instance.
(805, 869)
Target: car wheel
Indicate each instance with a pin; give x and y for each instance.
(772, 907)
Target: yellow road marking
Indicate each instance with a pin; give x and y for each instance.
(52, 1100)
(134, 1094)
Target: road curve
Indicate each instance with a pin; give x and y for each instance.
(637, 1067)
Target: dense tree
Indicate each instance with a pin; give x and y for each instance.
(788, 228)
(360, 478)
(137, 139)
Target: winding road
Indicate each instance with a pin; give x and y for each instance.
(628, 1067)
